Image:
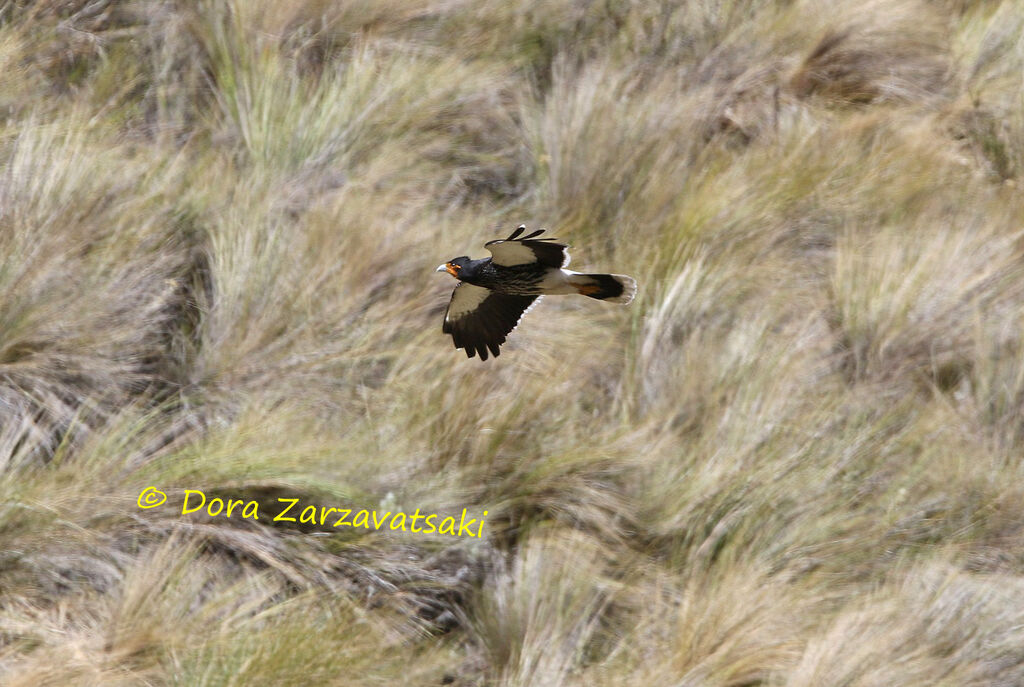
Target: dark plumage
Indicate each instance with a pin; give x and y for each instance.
(493, 293)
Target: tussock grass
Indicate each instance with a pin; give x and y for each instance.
(793, 460)
(921, 623)
(876, 52)
(739, 628)
(532, 638)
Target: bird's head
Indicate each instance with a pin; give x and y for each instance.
(454, 266)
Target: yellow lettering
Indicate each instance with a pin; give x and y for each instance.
(209, 509)
(184, 507)
(480, 533)
(396, 519)
(378, 523)
(450, 524)
(344, 514)
(416, 516)
(280, 516)
(232, 504)
(255, 510)
(463, 525)
(308, 515)
(366, 519)
(324, 512)
(432, 528)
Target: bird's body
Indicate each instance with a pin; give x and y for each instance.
(516, 280)
(494, 293)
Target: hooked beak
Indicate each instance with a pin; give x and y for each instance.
(449, 268)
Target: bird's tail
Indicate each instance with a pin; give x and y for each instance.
(617, 288)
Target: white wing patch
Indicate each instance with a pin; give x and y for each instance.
(510, 253)
(465, 300)
(558, 282)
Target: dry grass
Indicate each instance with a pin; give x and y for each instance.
(794, 460)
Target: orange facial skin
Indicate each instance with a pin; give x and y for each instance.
(452, 269)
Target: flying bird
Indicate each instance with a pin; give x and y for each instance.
(493, 293)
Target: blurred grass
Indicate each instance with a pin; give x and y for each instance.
(794, 459)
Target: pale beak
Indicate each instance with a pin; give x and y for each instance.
(442, 268)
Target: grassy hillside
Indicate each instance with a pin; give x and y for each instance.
(795, 459)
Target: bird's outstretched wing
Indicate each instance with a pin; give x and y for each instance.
(528, 250)
(479, 319)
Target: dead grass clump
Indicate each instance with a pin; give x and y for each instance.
(538, 618)
(161, 621)
(988, 139)
(993, 392)
(932, 624)
(90, 299)
(911, 301)
(879, 52)
(71, 38)
(727, 628)
(586, 188)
